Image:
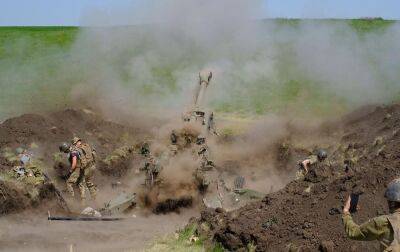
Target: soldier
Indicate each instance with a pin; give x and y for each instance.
(205, 164)
(310, 162)
(88, 164)
(152, 169)
(75, 170)
(174, 143)
(211, 125)
(384, 228)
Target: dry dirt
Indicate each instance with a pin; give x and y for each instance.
(31, 231)
(303, 213)
(369, 141)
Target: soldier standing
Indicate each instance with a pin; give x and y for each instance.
(205, 164)
(88, 164)
(75, 170)
(384, 228)
(152, 169)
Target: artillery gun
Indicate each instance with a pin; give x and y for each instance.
(198, 112)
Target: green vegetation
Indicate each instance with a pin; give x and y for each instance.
(184, 240)
(363, 26)
(42, 67)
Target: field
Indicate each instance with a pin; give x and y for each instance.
(41, 66)
(281, 90)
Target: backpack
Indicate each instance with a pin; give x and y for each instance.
(87, 156)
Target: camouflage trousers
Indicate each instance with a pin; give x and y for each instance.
(82, 178)
(88, 173)
(76, 179)
(300, 174)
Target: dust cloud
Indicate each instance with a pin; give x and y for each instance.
(145, 57)
(139, 64)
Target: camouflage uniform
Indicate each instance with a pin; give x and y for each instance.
(76, 176)
(205, 165)
(385, 229)
(88, 169)
(314, 162)
(152, 169)
(88, 173)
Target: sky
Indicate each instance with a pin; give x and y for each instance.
(72, 12)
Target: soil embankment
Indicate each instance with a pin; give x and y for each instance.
(307, 213)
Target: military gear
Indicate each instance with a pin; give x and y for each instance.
(322, 154)
(75, 140)
(88, 174)
(383, 228)
(119, 205)
(145, 149)
(205, 76)
(152, 169)
(76, 176)
(88, 167)
(392, 192)
(174, 138)
(199, 94)
(64, 147)
(200, 140)
(81, 218)
(211, 124)
(87, 155)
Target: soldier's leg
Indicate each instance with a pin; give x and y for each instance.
(81, 185)
(71, 181)
(89, 172)
(300, 174)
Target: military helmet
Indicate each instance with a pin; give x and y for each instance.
(64, 147)
(322, 154)
(75, 140)
(145, 149)
(200, 139)
(392, 192)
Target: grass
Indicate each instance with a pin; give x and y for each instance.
(363, 26)
(34, 74)
(183, 241)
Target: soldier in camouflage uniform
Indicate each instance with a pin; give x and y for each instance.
(152, 169)
(75, 170)
(311, 162)
(88, 165)
(205, 164)
(174, 143)
(384, 228)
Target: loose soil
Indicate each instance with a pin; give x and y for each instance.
(308, 213)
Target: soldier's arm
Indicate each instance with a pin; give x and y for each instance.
(73, 164)
(370, 230)
(305, 164)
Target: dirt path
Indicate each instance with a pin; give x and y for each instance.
(22, 232)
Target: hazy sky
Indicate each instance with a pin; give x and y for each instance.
(70, 12)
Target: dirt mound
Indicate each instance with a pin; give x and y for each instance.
(307, 213)
(40, 136)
